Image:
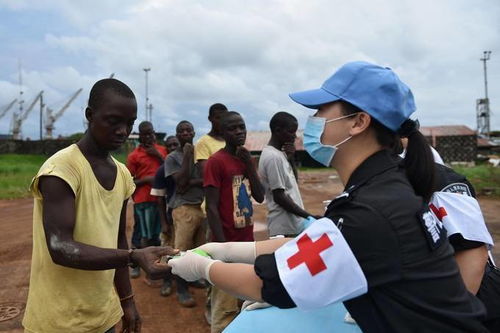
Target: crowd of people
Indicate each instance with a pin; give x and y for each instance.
(384, 242)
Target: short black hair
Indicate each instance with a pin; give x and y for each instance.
(215, 108)
(170, 137)
(100, 87)
(281, 119)
(227, 116)
(143, 124)
(183, 122)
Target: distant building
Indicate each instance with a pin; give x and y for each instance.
(455, 143)
(257, 140)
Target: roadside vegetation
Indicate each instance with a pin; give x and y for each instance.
(16, 172)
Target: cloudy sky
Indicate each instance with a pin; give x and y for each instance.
(248, 55)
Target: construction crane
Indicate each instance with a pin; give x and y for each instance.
(52, 117)
(7, 108)
(17, 119)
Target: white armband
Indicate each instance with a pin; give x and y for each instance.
(318, 267)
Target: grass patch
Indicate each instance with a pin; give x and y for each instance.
(485, 178)
(309, 169)
(17, 171)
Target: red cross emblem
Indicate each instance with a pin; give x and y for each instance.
(309, 253)
(439, 212)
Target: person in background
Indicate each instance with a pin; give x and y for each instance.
(213, 141)
(189, 229)
(229, 176)
(163, 189)
(142, 163)
(279, 177)
(205, 147)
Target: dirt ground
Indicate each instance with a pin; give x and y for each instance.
(159, 314)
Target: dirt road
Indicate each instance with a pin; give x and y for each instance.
(159, 314)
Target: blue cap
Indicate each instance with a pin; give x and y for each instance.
(374, 89)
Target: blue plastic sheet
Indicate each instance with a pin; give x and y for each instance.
(327, 319)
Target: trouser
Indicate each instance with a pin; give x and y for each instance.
(147, 219)
(189, 228)
(111, 330)
(224, 309)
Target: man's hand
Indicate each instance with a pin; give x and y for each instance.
(151, 150)
(188, 149)
(131, 321)
(289, 149)
(243, 154)
(149, 259)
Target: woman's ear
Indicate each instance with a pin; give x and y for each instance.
(360, 123)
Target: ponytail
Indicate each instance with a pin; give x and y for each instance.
(418, 161)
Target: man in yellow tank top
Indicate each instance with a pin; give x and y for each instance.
(79, 272)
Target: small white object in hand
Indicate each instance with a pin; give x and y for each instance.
(349, 319)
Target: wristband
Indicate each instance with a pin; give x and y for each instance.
(130, 262)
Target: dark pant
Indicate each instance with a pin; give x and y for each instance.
(111, 330)
(136, 234)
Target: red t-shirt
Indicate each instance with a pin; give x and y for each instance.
(141, 164)
(226, 172)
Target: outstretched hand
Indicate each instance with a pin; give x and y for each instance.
(149, 259)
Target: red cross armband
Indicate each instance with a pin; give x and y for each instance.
(318, 268)
(460, 214)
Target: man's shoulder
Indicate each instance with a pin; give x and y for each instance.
(69, 155)
(161, 149)
(218, 155)
(269, 152)
(134, 153)
(175, 156)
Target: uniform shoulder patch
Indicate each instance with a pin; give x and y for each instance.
(458, 188)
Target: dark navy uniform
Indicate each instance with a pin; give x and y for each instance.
(489, 292)
(414, 284)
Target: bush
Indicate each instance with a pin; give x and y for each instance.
(485, 178)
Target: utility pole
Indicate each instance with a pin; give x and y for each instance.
(483, 104)
(17, 115)
(146, 71)
(41, 116)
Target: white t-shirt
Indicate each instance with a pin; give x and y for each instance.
(277, 173)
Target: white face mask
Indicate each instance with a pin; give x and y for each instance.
(315, 127)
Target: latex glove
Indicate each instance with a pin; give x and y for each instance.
(239, 252)
(191, 266)
(252, 305)
(307, 222)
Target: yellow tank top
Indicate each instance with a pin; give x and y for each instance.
(206, 147)
(63, 299)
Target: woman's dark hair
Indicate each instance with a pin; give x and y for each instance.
(418, 161)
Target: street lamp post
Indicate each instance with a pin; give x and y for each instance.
(146, 71)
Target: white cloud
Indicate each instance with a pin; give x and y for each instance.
(251, 55)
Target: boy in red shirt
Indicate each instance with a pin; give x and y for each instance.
(143, 163)
(228, 177)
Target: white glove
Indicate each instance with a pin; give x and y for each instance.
(252, 305)
(191, 266)
(239, 252)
